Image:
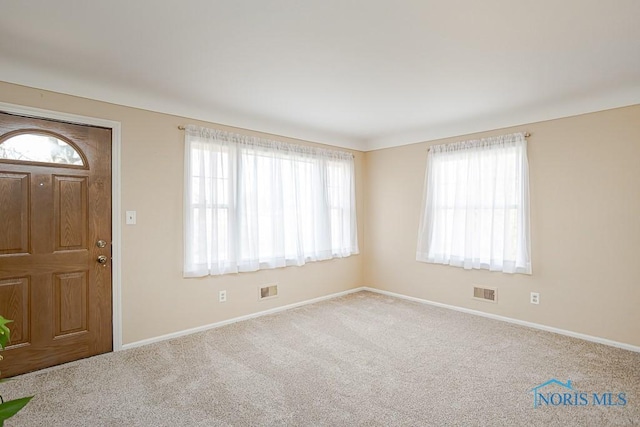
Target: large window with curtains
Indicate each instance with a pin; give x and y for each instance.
(252, 203)
(475, 211)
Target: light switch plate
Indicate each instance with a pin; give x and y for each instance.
(131, 217)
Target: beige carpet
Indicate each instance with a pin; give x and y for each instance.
(362, 359)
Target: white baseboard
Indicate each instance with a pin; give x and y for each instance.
(510, 320)
(391, 294)
(236, 319)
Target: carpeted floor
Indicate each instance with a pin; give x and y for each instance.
(362, 359)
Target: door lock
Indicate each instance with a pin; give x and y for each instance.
(101, 243)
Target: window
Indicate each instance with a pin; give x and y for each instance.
(252, 203)
(39, 147)
(475, 212)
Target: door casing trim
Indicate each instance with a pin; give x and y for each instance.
(116, 196)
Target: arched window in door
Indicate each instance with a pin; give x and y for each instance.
(37, 146)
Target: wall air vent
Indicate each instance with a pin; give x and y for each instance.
(485, 294)
(267, 291)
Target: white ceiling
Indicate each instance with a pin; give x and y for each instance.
(361, 74)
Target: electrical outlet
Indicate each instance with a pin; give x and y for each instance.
(535, 298)
(222, 296)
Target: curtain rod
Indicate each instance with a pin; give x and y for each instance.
(526, 135)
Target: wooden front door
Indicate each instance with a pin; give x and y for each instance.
(55, 241)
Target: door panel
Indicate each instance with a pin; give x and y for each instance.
(70, 303)
(70, 212)
(14, 211)
(55, 204)
(15, 304)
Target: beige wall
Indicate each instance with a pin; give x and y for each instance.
(585, 222)
(585, 228)
(156, 300)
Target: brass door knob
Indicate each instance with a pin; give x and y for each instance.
(102, 259)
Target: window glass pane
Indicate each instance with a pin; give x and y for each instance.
(40, 148)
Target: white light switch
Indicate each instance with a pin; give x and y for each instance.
(131, 217)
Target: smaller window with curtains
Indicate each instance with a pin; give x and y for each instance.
(475, 211)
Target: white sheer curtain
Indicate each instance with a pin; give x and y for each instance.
(476, 205)
(252, 203)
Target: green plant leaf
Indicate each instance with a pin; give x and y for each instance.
(5, 333)
(10, 408)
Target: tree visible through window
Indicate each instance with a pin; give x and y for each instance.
(39, 148)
